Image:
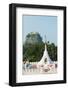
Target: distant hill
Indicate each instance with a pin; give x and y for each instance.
(33, 38)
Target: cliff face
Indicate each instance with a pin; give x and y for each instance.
(33, 47)
(33, 38)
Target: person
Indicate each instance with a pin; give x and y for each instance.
(28, 65)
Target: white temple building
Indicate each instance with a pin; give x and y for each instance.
(45, 58)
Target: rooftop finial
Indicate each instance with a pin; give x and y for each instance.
(45, 39)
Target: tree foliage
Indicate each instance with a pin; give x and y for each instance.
(33, 52)
(52, 51)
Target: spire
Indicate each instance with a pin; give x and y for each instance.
(45, 39)
(45, 55)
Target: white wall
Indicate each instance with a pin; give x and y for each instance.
(4, 44)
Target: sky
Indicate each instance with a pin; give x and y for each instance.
(45, 25)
